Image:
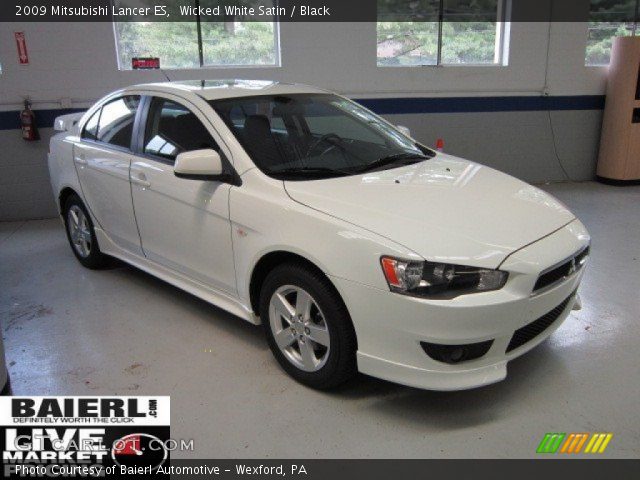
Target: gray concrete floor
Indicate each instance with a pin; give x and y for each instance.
(69, 330)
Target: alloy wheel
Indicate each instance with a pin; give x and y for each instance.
(79, 231)
(299, 328)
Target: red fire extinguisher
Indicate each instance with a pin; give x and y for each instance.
(28, 123)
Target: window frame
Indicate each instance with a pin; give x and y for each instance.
(201, 64)
(98, 111)
(501, 50)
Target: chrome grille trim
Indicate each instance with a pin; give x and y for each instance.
(559, 272)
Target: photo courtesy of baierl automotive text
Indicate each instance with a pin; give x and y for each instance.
(239, 236)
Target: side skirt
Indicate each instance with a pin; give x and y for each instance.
(226, 302)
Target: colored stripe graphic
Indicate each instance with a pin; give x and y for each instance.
(550, 443)
(572, 443)
(598, 443)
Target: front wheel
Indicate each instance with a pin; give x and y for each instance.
(308, 327)
(81, 234)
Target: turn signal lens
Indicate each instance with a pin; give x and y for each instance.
(402, 275)
(389, 266)
(439, 280)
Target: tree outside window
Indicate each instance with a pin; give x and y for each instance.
(447, 32)
(609, 19)
(235, 41)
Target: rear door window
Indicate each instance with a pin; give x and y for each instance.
(116, 121)
(90, 130)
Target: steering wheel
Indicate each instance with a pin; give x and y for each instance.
(325, 138)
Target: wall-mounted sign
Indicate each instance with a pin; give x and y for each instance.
(21, 43)
(145, 63)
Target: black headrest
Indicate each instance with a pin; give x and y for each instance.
(257, 125)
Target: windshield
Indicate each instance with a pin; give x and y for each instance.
(301, 136)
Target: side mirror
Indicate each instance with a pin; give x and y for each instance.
(404, 130)
(203, 164)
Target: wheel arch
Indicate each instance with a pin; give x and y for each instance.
(64, 194)
(271, 260)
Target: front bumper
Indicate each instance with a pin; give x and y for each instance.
(391, 327)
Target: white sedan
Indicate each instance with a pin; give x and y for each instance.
(356, 247)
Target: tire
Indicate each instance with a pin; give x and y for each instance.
(325, 321)
(87, 251)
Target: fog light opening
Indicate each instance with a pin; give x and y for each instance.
(453, 354)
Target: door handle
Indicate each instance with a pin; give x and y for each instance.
(80, 160)
(140, 179)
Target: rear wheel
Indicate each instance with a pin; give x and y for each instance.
(308, 327)
(81, 234)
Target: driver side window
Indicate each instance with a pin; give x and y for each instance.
(172, 129)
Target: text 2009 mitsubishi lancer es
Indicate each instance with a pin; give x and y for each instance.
(357, 248)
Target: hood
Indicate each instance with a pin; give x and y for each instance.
(445, 209)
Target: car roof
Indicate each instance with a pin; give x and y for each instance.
(218, 89)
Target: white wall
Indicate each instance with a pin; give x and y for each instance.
(77, 61)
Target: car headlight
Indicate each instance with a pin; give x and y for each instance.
(439, 280)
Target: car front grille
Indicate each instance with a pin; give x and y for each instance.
(561, 271)
(535, 328)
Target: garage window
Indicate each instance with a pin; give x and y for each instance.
(183, 45)
(609, 19)
(450, 32)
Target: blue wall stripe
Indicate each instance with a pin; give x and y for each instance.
(390, 106)
(10, 120)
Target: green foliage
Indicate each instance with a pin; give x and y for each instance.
(250, 43)
(469, 42)
(608, 19)
(399, 43)
(600, 39)
(613, 10)
(416, 43)
(176, 43)
(469, 31)
(407, 43)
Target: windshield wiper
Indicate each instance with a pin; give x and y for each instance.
(307, 171)
(391, 159)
